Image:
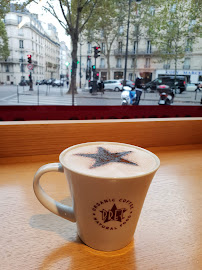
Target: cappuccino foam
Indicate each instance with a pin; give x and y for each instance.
(114, 160)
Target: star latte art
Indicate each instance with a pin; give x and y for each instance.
(103, 157)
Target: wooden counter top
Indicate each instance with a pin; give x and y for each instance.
(168, 236)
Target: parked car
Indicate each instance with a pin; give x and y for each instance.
(58, 83)
(50, 81)
(129, 83)
(23, 83)
(114, 85)
(39, 82)
(181, 83)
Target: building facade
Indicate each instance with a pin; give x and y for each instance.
(27, 36)
(143, 58)
(65, 61)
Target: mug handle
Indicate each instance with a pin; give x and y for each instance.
(57, 208)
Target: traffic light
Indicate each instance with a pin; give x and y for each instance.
(93, 67)
(97, 75)
(67, 64)
(29, 58)
(96, 51)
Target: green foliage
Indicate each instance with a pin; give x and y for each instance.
(4, 51)
(173, 24)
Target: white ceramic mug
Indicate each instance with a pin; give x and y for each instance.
(105, 209)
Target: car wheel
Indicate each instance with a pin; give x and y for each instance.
(177, 91)
(116, 89)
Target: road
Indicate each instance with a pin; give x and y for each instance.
(48, 95)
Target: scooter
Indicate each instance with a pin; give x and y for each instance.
(166, 94)
(128, 96)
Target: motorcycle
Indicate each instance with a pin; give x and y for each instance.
(128, 96)
(166, 94)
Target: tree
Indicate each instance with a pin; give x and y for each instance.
(174, 27)
(73, 16)
(4, 50)
(106, 25)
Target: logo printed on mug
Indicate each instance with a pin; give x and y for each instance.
(115, 216)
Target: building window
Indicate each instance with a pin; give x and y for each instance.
(103, 47)
(8, 78)
(133, 62)
(22, 68)
(147, 62)
(148, 46)
(135, 47)
(21, 44)
(7, 68)
(102, 33)
(89, 47)
(189, 45)
(130, 76)
(118, 63)
(186, 63)
(121, 29)
(102, 63)
(19, 19)
(120, 46)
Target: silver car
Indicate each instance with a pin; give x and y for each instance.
(114, 85)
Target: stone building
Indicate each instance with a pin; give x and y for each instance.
(27, 36)
(65, 60)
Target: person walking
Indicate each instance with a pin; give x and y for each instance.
(138, 89)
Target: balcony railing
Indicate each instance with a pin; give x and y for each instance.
(132, 52)
(118, 66)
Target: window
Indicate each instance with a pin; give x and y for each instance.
(135, 47)
(148, 46)
(8, 78)
(189, 45)
(103, 47)
(121, 29)
(120, 46)
(130, 76)
(19, 19)
(102, 63)
(118, 63)
(102, 33)
(22, 68)
(21, 44)
(147, 62)
(20, 32)
(186, 63)
(133, 62)
(7, 69)
(89, 47)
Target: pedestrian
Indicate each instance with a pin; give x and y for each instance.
(138, 88)
(101, 86)
(67, 83)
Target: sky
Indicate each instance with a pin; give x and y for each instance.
(48, 18)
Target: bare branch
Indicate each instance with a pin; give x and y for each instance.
(90, 13)
(63, 13)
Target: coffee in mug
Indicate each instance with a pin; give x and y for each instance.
(108, 183)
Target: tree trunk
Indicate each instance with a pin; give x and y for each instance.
(73, 88)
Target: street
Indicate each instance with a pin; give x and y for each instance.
(48, 95)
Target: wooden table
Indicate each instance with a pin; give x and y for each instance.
(168, 236)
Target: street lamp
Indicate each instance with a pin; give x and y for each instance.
(126, 54)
